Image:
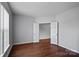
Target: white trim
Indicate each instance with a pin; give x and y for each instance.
(5, 51)
(22, 43)
(26, 42)
(9, 50)
(6, 48)
(35, 41)
(35, 32)
(75, 51)
(44, 38)
(9, 47)
(70, 49)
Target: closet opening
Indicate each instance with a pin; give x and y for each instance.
(48, 31)
(44, 32)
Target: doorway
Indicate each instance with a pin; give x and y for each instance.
(53, 35)
(44, 32)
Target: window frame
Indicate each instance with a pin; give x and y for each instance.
(2, 29)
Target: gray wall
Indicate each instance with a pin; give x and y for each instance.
(5, 4)
(69, 29)
(23, 29)
(44, 30)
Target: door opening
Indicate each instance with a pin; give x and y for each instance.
(46, 31)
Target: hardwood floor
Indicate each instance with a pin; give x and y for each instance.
(41, 49)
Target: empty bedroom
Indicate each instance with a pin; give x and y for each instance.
(39, 29)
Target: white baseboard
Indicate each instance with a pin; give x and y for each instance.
(70, 49)
(9, 47)
(35, 41)
(23, 43)
(75, 51)
(44, 38)
(5, 51)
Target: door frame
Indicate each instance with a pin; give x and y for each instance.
(57, 40)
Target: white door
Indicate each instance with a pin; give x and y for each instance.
(54, 33)
(36, 32)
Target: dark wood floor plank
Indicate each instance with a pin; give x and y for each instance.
(41, 49)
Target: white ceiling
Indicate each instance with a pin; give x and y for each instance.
(41, 9)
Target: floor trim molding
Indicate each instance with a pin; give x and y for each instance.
(6, 53)
(25, 43)
(69, 49)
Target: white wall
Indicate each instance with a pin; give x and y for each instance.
(44, 30)
(23, 29)
(69, 29)
(44, 19)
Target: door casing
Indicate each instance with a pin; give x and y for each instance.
(53, 32)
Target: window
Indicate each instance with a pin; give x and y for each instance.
(4, 30)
